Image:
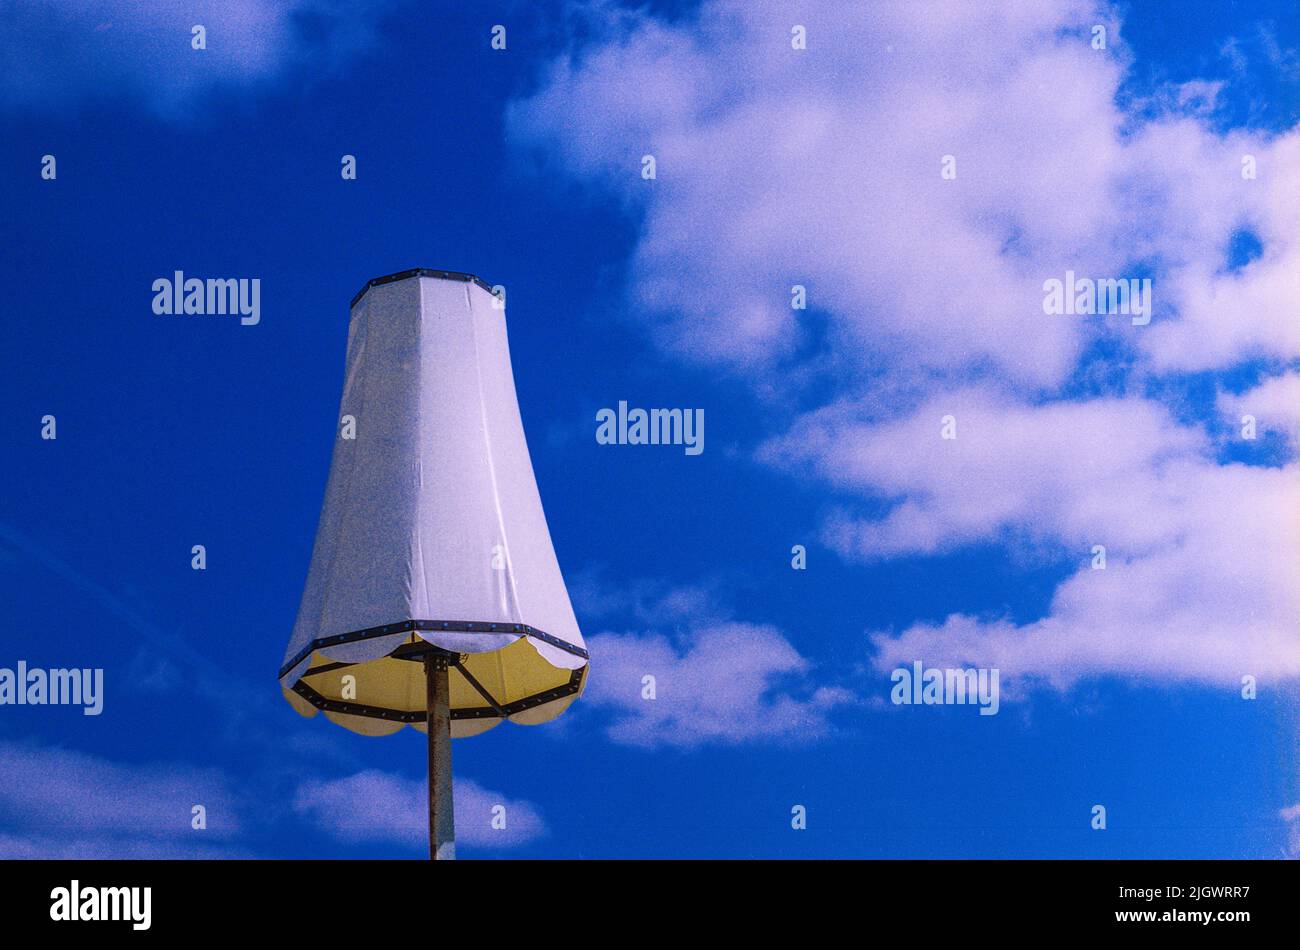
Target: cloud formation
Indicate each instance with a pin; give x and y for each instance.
(1074, 473)
(724, 684)
(1291, 815)
(63, 52)
(823, 167)
(1274, 405)
(1198, 580)
(374, 806)
(700, 678)
(59, 803)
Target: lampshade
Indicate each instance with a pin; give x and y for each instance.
(432, 529)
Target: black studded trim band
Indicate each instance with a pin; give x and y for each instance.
(453, 626)
(493, 711)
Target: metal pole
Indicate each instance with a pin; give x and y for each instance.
(442, 827)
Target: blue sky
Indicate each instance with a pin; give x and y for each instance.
(523, 166)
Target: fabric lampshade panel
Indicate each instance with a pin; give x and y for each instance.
(432, 529)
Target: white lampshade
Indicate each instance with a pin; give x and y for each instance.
(432, 530)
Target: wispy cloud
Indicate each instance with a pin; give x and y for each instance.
(245, 711)
(374, 806)
(722, 683)
(62, 52)
(645, 601)
(1291, 815)
(60, 803)
(1075, 473)
(684, 674)
(1274, 405)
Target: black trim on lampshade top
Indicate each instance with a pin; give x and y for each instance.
(421, 272)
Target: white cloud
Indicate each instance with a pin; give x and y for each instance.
(374, 806)
(1199, 578)
(648, 602)
(1274, 403)
(59, 52)
(56, 802)
(723, 683)
(822, 167)
(1069, 472)
(1291, 815)
(43, 847)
